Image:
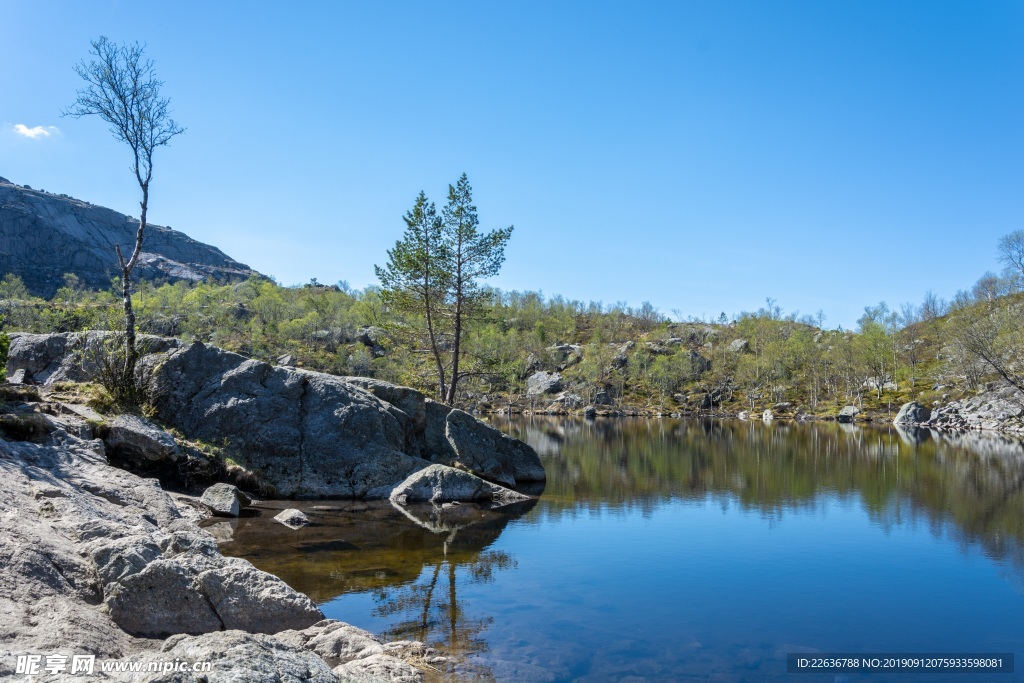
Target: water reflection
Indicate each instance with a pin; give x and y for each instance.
(421, 572)
(973, 480)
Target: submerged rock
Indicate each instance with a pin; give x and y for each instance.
(292, 518)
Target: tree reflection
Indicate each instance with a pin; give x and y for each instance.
(429, 614)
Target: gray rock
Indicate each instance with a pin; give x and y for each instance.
(43, 236)
(292, 518)
(239, 657)
(17, 377)
(160, 601)
(490, 453)
(252, 600)
(441, 484)
(334, 641)
(378, 669)
(768, 415)
(299, 433)
(541, 383)
(698, 363)
(783, 407)
(590, 412)
(372, 337)
(912, 413)
(197, 593)
(137, 441)
(568, 400)
(67, 356)
(739, 346)
(306, 434)
(286, 360)
(603, 398)
(848, 413)
(743, 415)
(224, 500)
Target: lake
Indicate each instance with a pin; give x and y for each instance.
(686, 550)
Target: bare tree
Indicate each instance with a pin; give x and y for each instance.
(1011, 250)
(122, 89)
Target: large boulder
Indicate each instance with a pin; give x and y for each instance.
(442, 484)
(541, 383)
(306, 434)
(912, 413)
(490, 453)
(848, 413)
(224, 500)
(198, 593)
(298, 434)
(739, 346)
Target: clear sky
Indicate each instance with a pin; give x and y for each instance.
(701, 155)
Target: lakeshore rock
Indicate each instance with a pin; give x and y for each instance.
(442, 484)
(848, 413)
(68, 356)
(295, 433)
(224, 500)
(1000, 407)
(334, 641)
(240, 657)
(490, 453)
(99, 555)
(912, 413)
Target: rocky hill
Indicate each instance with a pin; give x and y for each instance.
(44, 235)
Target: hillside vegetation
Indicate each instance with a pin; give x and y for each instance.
(525, 352)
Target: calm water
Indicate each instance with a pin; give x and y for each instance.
(688, 551)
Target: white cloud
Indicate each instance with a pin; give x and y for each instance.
(37, 132)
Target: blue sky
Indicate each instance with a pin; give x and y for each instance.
(699, 155)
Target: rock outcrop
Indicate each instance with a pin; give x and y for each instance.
(44, 235)
(95, 560)
(1000, 408)
(301, 434)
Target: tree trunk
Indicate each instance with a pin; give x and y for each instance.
(131, 354)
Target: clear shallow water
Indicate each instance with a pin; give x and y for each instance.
(687, 550)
